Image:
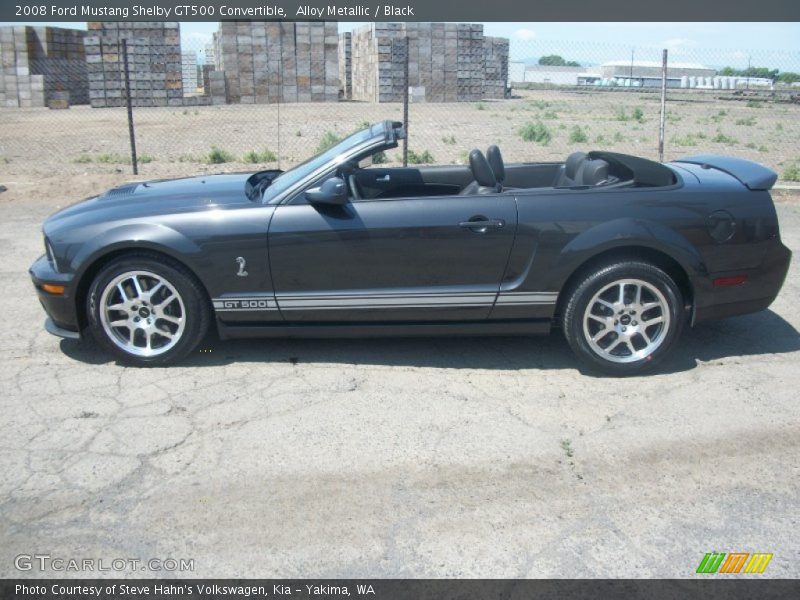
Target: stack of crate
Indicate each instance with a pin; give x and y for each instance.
(189, 72)
(470, 62)
(266, 62)
(18, 87)
(450, 61)
(495, 71)
(58, 54)
(39, 63)
(154, 59)
(345, 66)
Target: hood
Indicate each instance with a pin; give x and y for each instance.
(154, 198)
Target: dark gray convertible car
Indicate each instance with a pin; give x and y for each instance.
(618, 252)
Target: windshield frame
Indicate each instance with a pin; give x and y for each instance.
(381, 135)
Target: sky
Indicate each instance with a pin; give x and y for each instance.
(775, 45)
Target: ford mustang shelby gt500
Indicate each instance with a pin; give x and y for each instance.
(617, 251)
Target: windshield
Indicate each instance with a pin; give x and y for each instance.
(286, 180)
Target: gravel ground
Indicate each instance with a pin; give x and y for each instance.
(488, 457)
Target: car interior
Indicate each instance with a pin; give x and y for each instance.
(489, 174)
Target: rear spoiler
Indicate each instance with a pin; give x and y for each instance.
(751, 174)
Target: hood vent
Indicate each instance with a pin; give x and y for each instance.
(123, 190)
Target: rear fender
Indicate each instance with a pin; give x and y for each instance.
(628, 232)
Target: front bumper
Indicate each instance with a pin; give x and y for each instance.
(61, 309)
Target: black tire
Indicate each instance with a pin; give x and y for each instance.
(191, 310)
(653, 344)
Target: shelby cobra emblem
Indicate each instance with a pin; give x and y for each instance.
(242, 264)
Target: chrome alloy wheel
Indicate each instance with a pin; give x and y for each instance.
(142, 313)
(626, 321)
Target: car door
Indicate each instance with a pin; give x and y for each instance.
(435, 258)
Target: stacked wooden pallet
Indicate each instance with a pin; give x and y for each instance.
(495, 79)
(452, 62)
(345, 66)
(267, 62)
(154, 60)
(37, 63)
(189, 72)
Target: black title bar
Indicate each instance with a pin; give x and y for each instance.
(408, 10)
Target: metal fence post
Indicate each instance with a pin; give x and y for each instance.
(663, 106)
(129, 102)
(405, 103)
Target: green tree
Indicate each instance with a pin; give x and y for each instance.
(554, 60)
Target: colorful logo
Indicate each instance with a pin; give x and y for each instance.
(734, 562)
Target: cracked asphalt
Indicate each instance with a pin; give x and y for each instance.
(490, 457)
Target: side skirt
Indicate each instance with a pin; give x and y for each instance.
(366, 330)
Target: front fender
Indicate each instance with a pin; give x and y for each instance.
(144, 236)
(628, 232)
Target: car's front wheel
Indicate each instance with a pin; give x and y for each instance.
(624, 317)
(147, 312)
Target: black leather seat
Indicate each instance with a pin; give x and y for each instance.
(496, 162)
(485, 181)
(593, 172)
(568, 174)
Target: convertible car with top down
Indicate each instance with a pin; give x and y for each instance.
(617, 252)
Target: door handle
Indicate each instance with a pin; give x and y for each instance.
(384, 179)
(480, 225)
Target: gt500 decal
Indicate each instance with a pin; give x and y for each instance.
(243, 304)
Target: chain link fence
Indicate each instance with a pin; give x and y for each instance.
(276, 105)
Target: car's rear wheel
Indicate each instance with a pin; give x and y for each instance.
(624, 317)
(147, 311)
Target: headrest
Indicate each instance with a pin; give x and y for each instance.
(574, 161)
(496, 162)
(481, 170)
(594, 172)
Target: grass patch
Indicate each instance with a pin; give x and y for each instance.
(754, 104)
(217, 156)
(379, 158)
(746, 121)
(83, 158)
(779, 127)
(720, 116)
(550, 115)
(621, 115)
(536, 132)
(422, 158)
(329, 140)
(689, 139)
(540, 104)
(791, 173)
(566, 446)
(760, 148)
(264, 156)
(449, 139)
(144, 159)
(111, 158)
(721, 138)
(577, 135)
(600, 139)
(618, 137)
(480, 106)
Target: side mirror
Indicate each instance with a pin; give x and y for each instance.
(332, 191)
